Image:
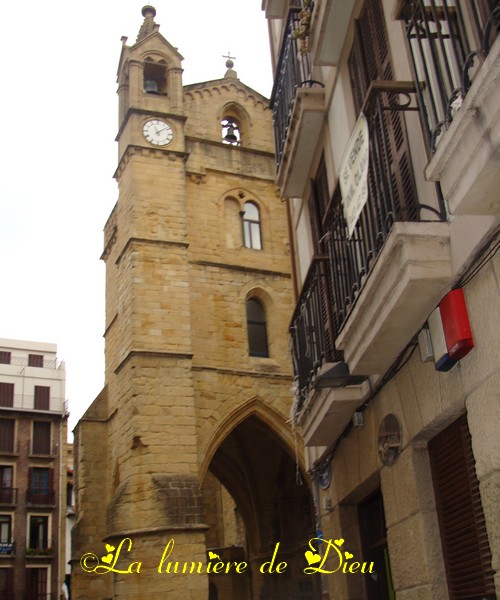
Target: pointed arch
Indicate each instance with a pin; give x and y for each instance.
(255, 407)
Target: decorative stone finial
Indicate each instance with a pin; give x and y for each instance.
(148, 11)
(149, 26)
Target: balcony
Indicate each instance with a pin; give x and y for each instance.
(378, 280)
(456, 57)
(298, 105)
(321, 413)
(330, 21)
(36, 497)
(7, 549)
(312, 329)
(26, 402)
(8, 496)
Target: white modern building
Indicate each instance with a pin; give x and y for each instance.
(33, 473)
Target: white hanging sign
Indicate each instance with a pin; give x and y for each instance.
(354, 173)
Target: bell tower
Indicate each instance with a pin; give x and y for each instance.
(189, 439)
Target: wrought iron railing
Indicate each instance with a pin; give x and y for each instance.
(392, 197)
(312, 328)
(448, 41)
(8, 496)
(336, 280)
(294, 70)
(35, 497)
(7, 548)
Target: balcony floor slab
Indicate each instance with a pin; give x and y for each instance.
(328, 411)
(412, 273)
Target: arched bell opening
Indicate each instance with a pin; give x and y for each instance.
(254, 500)
(155, 76)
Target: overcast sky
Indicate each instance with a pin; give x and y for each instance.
(58, 122)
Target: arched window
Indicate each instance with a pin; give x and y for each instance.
(251, 226)
(230, 132)
(155, 76)
(257, 329)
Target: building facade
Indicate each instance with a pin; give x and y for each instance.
(187, 454)
(386, 118)
(33, 432)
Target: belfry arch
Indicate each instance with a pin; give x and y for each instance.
(273, 510)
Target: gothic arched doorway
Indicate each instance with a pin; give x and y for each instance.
(255, 499)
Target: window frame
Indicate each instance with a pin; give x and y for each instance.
(249, 226)
(43, 518)
(257, 330)
(6, 518)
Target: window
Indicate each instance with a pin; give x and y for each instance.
(42, 397)
(40, 489)
(6, 478)
(41, 437)
(38, 532)
(5, 531)
(5, 357)
(230, 132)
(6, 394)
(155, 79)
(35, 360)
(257, 329)
(6, 578)
(7, 435)
(37, 583)
(251, 226)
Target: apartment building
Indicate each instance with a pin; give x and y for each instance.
(33, 431)
(387, 134)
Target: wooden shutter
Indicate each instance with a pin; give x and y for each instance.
(41, 437)
(5, 357)
(35, 360)
(7, 435)
(370, 60)
(6, 394)
(42, 397)
(464, 538)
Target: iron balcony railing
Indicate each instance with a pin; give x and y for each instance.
(392, 196)
(8, 496)
(448, 41)
(7, 547)
(312, 328)
(37, 497)
(336, 280)
(294, 70)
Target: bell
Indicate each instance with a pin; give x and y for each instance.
(230, 136)
(151, 86)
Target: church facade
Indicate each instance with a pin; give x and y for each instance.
(187, 459)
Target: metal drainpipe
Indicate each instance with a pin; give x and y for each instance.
(319, 530)
(60, 504)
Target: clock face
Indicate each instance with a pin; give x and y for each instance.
(158, 132)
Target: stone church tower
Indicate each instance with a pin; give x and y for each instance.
(189, 441)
